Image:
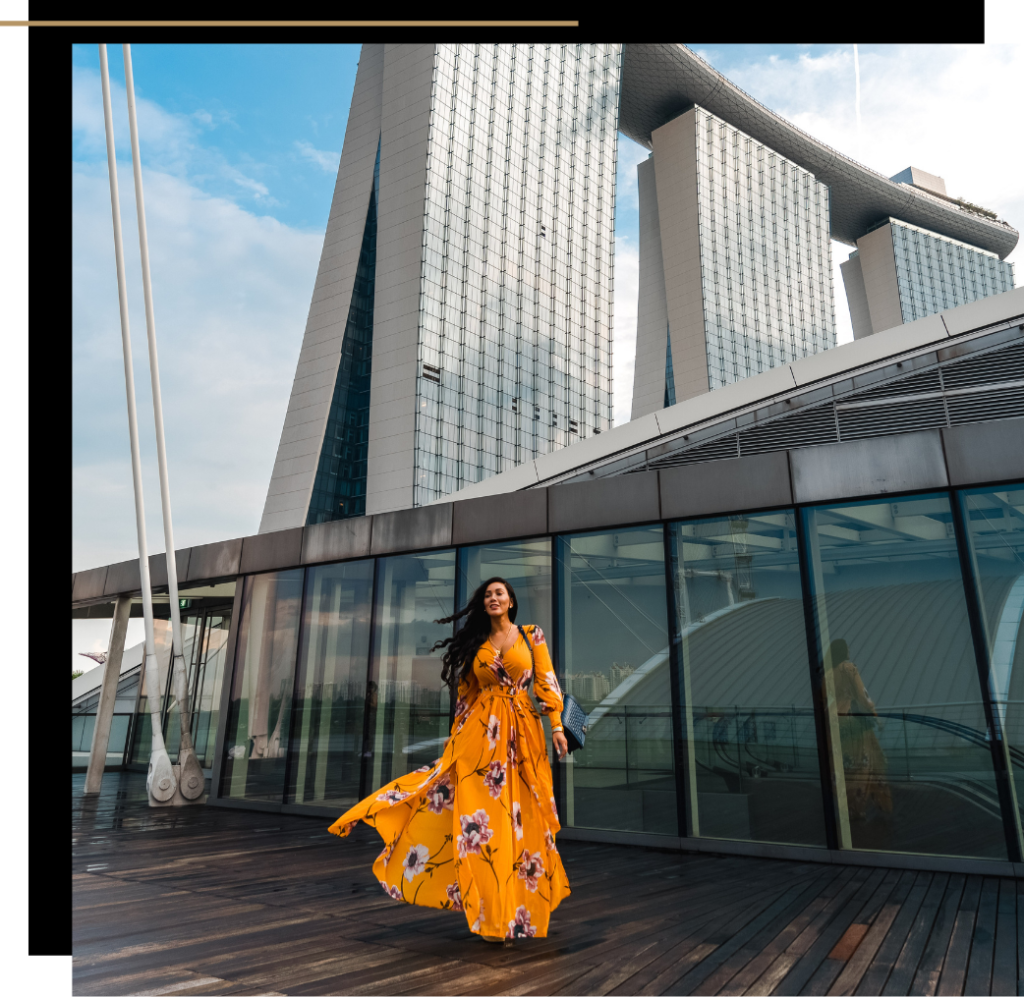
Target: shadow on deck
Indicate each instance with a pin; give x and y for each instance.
(207, 900)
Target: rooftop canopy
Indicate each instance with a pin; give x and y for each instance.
(660, 82)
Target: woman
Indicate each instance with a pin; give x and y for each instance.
(475, 831)
(864, 761)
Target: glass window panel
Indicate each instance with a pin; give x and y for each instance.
(256, 737)
(743, 651)
(327, 746)
(525, 564)
(191, 628)
(407, 703)
(614, 659)
(995, 531)
(207, 686)
(906, 723)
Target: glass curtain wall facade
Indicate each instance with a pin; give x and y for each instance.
(994, 520)
(614, 642)
(766, 256)
(746, 696)
(517, 274)
(328, 748)
(339, 489)
(912, 754)
(934, 272)
(847, 675)
(409, 708)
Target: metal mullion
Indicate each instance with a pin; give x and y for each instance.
(295, 685)
(1000, 749)
(369, 672)
(558, 777)
(831, 803)
(226, 685)
(687, 815)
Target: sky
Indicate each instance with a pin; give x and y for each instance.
(240, 148)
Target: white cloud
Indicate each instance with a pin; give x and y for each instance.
(167, 141)
(247, 183)
(946, 109)
(326, 160)
(231, 293)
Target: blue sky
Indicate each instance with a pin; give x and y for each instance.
(260, 125)
(240, 147)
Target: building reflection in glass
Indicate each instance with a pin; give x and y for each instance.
(910, 750)
(746, 696)
(410, 721)
(995, 532)
(614, 653)
(256, 741)
(330, 686)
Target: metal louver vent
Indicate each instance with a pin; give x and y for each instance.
(802, 429)
(857, 423)
(715, 450)
(999, 365)
(927, 380)
(983, 406)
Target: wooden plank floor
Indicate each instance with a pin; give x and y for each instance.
(206, 900)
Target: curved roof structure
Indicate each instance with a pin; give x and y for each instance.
(660, 82)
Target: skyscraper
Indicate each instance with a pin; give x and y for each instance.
(735, 261)
(901, 272)
(462, 314)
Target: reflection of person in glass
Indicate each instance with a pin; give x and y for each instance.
(864, 762)
(475, 831)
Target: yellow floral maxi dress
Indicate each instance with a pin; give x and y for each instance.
(475, 831)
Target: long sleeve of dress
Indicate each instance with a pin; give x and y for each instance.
(545, 683)
(469, 690)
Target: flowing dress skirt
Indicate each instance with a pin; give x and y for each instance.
(475, 831)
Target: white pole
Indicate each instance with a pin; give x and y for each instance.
(190, 771)
(160, 782)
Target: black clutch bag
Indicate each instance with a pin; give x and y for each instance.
(574, 723)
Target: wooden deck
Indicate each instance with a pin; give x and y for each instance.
(212, 901)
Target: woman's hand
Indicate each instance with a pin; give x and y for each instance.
(561, 744)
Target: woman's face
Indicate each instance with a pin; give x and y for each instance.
(496, 600)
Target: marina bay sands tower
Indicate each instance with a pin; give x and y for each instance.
(461, 320)
(462, 313)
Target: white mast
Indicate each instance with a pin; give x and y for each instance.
(190, 771)
(160, 782)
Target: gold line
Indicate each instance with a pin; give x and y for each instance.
(289, 24)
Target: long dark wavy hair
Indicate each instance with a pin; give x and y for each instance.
(458, 659)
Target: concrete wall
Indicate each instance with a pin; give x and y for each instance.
(675, 162)
(404, 129)
(652, 311)
(878, 270)
(298, 452)
(856, 297)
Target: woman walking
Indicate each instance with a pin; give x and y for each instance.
(475, 831)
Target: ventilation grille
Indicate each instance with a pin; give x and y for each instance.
(802, 429)
(916, 384)
(719, 449)
(984, 406)
(887, 419)
(973, 389)
(999, 365)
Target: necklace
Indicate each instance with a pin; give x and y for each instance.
(497, 647)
